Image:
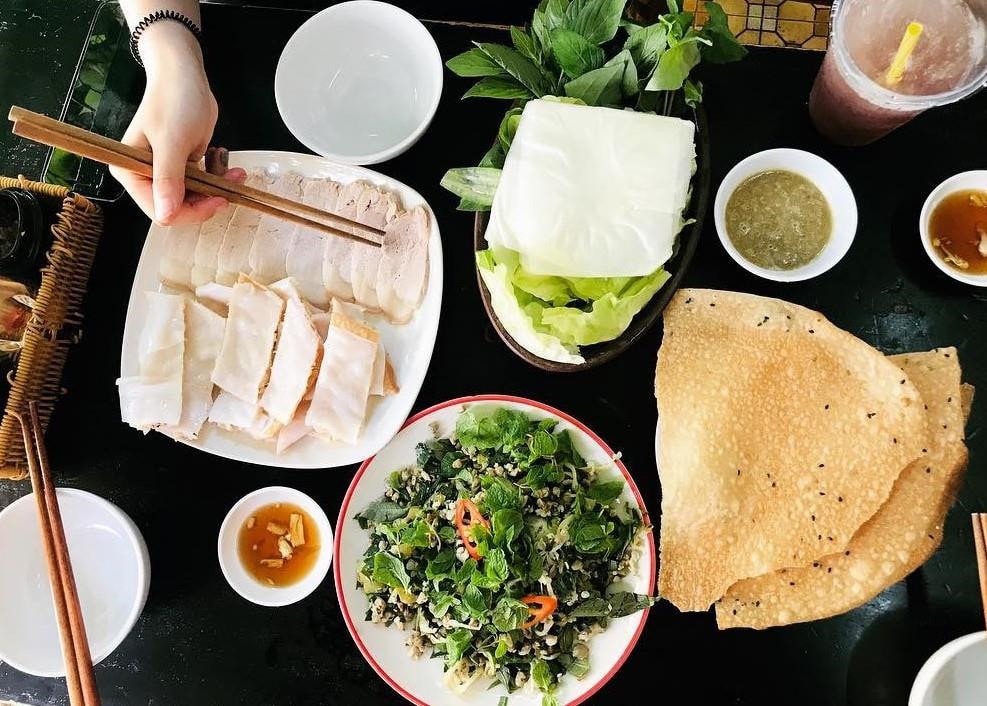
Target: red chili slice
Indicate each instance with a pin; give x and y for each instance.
(468, 514)
(539, 607)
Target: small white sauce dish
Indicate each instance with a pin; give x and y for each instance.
(359, 82)
(954, 675)
(112, 574)
(229, 556)
(959, 182)
(842, 205)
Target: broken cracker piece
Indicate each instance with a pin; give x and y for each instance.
(276, 528)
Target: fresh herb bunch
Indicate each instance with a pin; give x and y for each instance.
(571, 51)
(498, 549)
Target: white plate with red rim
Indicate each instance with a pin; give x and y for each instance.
(420, 681)
(409, 345)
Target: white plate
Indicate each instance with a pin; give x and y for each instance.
(420, 681)
(112, 573)
(409, 346)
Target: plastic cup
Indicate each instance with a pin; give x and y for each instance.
(850, 103)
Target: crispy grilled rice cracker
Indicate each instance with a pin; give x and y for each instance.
(903, 534)
(780, 435)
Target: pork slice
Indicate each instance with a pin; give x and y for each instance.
(374, 208)
(231, 260)
(339, 251)
(214, 231)
(306, 256)
(269, 251)
(403, 272)
(176, 264)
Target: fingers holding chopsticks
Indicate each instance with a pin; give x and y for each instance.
(177, 129)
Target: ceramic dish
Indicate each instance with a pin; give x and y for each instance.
(827, 179)
(954, 675)
(229, 561)
(420, 681)
(645, 319)
(112, 573)
(409, 345)
(359, 82)
(958, 182)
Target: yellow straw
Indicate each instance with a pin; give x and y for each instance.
(905, 49)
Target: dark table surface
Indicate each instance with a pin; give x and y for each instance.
(197, 642)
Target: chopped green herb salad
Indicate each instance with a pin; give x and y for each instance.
(499, 550)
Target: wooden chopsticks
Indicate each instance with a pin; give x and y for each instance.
(68, 612)
(980, 541)
(54, 133)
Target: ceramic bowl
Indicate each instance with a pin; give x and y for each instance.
(959, 182)
(954, 675)
(826, 177)
(229, 559)
(112, 573)
(359, 82)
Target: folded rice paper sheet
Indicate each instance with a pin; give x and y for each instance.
(899, 538)
(588, 191)
(780, 435)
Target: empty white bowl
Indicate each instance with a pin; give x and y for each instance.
(955, 675)
(359, 82)
(229, 557)
(827, 179)
(112, 573)
(960, 182)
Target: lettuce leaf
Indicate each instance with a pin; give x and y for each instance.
(510, 312)
(609, 317)
(552, 316)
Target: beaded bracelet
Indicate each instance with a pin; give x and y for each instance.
(150, 19)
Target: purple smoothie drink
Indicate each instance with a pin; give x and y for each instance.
(852, 101)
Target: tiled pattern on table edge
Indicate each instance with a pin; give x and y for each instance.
(796, 24)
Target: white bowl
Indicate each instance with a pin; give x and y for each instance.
(359, 82)
(229, 558)
(959, 182)
(112, 573)
(954, 675)
(420, 681)
(830, 182)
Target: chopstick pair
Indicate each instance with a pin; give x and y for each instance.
(54, 133)
(68, 612)
(980, 542)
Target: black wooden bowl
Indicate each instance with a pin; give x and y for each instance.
(600, 353)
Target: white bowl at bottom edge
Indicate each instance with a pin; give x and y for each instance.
(229, 557)
(955, 675)
(112, 574)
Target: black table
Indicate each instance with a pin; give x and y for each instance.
(197, 642)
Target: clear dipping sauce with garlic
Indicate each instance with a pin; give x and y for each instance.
(278, 544)
(778, 220)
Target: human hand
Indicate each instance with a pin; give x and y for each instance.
(175, 121)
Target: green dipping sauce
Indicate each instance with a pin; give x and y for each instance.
(778, 220)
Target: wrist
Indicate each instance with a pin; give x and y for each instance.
(167, 45)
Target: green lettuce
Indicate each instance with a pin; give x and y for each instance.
(552, 316)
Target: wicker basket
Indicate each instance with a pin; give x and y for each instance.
(56, 321)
